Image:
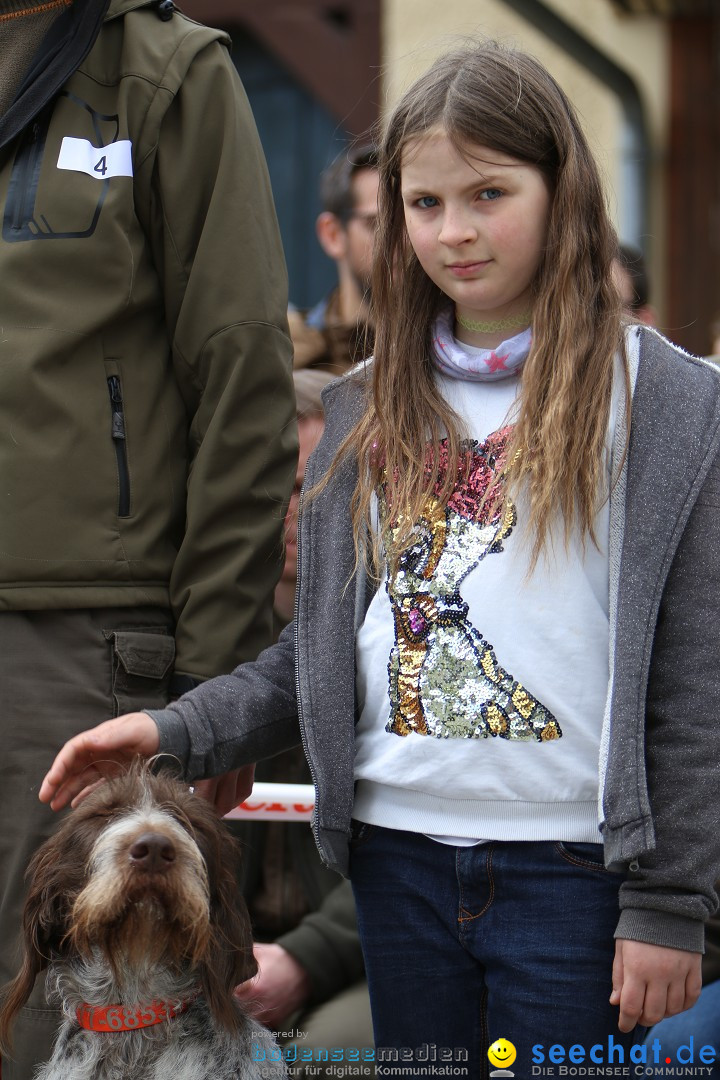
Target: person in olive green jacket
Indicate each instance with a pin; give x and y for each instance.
(147, 443)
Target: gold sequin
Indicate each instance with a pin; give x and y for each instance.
(444, 677)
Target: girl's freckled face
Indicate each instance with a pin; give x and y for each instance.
(478, 224)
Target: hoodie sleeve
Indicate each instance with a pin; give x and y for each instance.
(234, 719)
(670, 891)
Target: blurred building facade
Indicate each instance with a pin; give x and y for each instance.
(643, 74)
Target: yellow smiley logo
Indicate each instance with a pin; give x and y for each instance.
(502, 1053)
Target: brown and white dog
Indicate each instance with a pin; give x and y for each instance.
(135, 911)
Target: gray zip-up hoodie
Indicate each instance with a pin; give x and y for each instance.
(660, 762)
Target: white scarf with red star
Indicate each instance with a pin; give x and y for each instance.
(461, 361)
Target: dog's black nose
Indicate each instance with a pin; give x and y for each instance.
(152, 852)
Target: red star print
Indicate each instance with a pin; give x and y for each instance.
(496, 363)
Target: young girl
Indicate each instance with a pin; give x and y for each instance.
(507, 624)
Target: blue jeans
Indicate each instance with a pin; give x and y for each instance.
(701, 1023)
(467, 945)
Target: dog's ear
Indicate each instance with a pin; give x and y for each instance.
(228, 959)
(55, 876)
(43, 928)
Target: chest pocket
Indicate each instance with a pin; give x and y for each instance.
(79, 189)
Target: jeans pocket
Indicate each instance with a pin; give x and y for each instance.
(585, 856)
(142, 666)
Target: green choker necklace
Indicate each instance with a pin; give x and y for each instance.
(513, 322)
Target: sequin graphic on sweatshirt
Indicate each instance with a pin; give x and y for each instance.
(444, 677)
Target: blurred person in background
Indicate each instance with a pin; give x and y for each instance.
(631, 278)
(715, 339)
(336, 333)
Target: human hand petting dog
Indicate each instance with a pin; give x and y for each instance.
(103, 751)
(96, 755)
(280, 988)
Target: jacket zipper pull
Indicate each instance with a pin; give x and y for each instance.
(118, 416)
(117, 431)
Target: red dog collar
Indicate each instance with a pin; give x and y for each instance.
(128, 1017)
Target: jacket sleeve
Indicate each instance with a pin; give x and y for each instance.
(327, 944)
(216, 246)
(670, 891)
(234, 719)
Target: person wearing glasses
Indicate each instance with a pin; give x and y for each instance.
(335, 332)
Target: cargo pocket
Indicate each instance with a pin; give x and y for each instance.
(142, 665)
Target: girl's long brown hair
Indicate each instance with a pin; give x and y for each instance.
(490, 96)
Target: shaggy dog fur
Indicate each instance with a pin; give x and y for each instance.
(134, 900)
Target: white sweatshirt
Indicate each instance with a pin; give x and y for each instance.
(482, 685)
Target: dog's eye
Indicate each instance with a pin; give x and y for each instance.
(102, 813)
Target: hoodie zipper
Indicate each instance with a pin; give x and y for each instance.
(120, 443)
(314, 824)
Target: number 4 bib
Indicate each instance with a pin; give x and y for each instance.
(100, 162)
